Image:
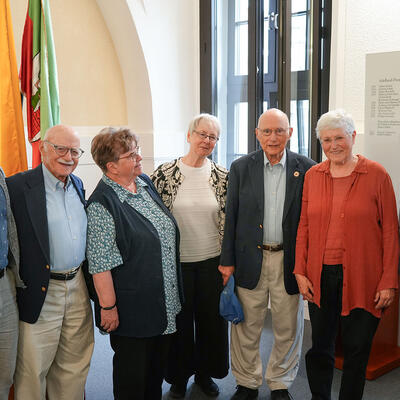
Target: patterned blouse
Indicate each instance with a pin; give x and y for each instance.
(167, 178)
(102, 250)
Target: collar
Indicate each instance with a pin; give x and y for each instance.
(360, 168)
(52, 182)
(282, 161)
(122, 193)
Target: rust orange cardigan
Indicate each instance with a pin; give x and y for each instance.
(371, 241)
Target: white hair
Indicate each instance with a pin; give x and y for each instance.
(335, 119)
(194, 123)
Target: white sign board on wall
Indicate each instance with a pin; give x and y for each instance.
(382, 116)
(382, 113)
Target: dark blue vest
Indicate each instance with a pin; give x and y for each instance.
(138, 282)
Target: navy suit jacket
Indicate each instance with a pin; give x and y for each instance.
(243, 238)
(28, 204)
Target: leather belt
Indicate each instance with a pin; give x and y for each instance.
(273, 247)
(64, 277)
(2, 271)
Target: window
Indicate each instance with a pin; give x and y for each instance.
(246, 67)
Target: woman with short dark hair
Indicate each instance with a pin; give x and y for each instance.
(133, 254)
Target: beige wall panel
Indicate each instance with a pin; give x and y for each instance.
(91, 87)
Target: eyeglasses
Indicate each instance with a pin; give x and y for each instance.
(204, 136)
(268, 132)
(133, 155)
(76, 152)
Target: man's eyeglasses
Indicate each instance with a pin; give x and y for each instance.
(268, 132)
(133, 154)
(204, 136)
(76, 152)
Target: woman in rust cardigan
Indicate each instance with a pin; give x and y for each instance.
(346, 256)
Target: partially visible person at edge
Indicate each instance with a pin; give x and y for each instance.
(56, 326)
(346, 256)
(9, 279)
(194, 190)
(262, 213)
(133, 254)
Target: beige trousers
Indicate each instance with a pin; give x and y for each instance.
(287, 327)
(54, 353)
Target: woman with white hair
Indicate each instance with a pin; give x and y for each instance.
(346, 256)
(194, 189)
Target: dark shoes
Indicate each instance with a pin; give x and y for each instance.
(244, 393)
(178, 390)
(281, 394)
(207, 385)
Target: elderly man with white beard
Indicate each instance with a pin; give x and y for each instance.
(56, 329)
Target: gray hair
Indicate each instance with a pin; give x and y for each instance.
(335, 119)
(194, 123)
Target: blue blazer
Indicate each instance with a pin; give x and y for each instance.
(243, 238)
(28, 204)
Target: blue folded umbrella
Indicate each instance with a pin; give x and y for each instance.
(229, 305)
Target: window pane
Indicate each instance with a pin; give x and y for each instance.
(231, 51)
(241, 49)
(299, 39)
(267, 23)
(300, 122)
(241, 116)
(266, 47)
(241, 10)
(299, 5)
(300, 79)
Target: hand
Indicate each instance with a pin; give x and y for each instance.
(109, 319)
(305, 287)
(226, 272)
(384, 298)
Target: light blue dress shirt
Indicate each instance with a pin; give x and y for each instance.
(274, 200)
(3, 230)
(67, 222)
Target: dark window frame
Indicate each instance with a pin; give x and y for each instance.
(257, 82)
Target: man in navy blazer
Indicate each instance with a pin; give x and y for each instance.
(56, 328)
(262, 214)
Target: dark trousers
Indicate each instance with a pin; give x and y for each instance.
(357, 331)
(139, 366)
(201, 343)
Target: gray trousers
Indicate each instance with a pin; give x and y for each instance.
(8, 332)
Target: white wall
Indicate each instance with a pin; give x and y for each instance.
(359, 27)
(169, 34)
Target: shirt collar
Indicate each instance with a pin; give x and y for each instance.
(52, 182)
(360, 168)
(122, 193)
(282, 161)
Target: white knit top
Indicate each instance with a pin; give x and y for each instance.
(196, 212)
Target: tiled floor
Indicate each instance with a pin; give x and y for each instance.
(99, 385)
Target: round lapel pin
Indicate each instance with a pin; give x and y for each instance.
(296, 174)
